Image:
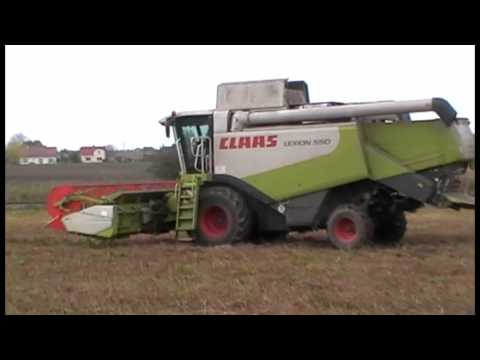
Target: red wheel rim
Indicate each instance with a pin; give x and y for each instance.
(214, 222)
(345, 230)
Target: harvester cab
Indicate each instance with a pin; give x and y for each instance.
(267, 161)
(193, 138)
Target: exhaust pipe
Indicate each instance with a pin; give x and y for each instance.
(441, 107)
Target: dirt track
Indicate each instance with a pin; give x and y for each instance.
(432, 272)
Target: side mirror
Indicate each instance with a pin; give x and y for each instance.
(167, 131)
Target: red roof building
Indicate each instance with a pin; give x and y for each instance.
(89, 154)
(35, 154)
(38, 151)
(89, 150)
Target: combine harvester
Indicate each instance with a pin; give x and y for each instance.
(266, 161)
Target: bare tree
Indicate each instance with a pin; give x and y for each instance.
(18, 139)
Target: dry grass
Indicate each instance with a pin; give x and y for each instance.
(58, 273)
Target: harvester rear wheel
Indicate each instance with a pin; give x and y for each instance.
(223, 217)
(390, 229)
(349, 227)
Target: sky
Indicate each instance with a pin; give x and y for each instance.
(73, 96)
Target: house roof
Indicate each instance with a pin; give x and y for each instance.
(38, 151)
(89, 150)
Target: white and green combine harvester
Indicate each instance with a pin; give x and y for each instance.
(267, 161)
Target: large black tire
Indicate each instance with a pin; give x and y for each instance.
(223, 217)
(390, 228)
(349, 227)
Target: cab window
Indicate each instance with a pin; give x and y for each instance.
(188, 128)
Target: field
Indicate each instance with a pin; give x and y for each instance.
(32, 183)
(432, 272)
(48, 272)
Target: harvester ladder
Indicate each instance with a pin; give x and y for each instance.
(187, 205)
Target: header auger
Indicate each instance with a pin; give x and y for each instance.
(267, 161)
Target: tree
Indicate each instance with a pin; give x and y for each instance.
(18, 139)
(33, 143)
(74, 157)
(14, 148)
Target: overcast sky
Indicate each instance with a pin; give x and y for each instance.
(72, 96)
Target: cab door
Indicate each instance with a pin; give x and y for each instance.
(194, 134)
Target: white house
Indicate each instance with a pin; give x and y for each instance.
(92, 154)
(40, 155)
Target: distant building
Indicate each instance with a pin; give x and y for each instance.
(92, 154)
(40, 155)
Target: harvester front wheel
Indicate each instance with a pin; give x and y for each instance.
(223, 218)
(390, 229)
(349, 227)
